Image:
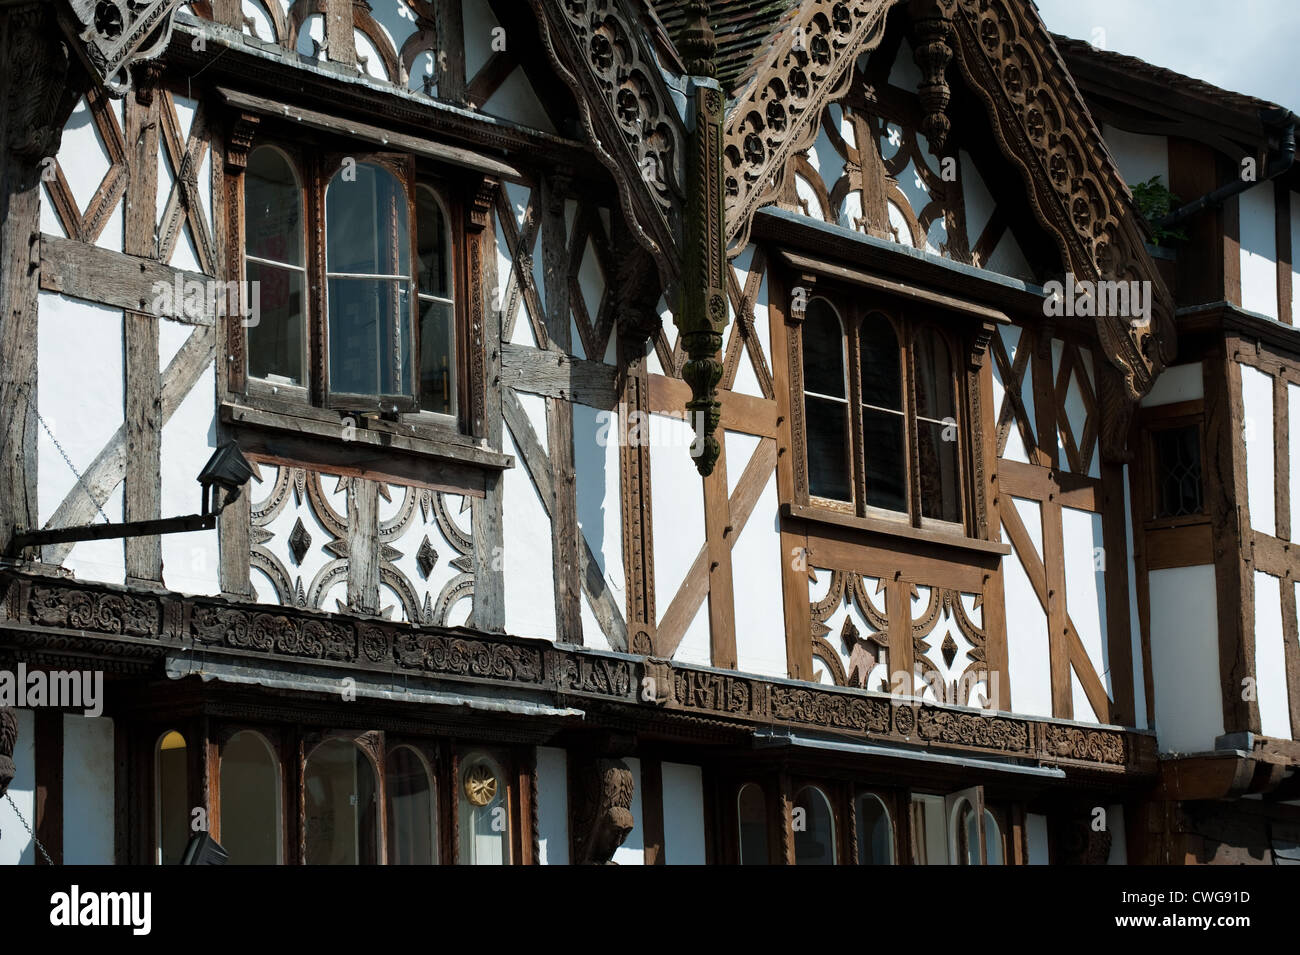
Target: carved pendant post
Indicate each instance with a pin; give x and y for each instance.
(701, 315)
(933, 53)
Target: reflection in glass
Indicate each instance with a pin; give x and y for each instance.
(341, 810)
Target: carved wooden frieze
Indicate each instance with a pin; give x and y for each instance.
(598, 48)
(972, 729)
(112, 35)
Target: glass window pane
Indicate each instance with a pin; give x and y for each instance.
(484, 813)
(275, 343)
(370, 349)
(934, 391)
(823, 350)
(884, 448)
(173, 820)
(432, 245)
(366, 221)
(828, 448)
(412, 824)
(437, 357)
(751, 807)
(814, 828)
(875, 832)
(882, 374)
(272, 208)
(938, 471)
(341, 810)
(992, 839)
(1178, 471)
(250, 801)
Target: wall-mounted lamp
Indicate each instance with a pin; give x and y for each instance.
(227, 471)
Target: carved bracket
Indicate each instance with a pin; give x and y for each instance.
(111, 35)
(602, 792)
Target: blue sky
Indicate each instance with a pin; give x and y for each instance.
(1249, 46)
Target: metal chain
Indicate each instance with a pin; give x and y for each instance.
(46, 855)
(59, 448)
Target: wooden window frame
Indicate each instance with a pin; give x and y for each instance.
(1166, 418)
(906, 327)
(309, 153)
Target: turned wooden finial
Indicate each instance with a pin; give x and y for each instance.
(699, 45)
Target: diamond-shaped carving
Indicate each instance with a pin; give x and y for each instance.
(949, 649)
(299, 541)
(426, 556)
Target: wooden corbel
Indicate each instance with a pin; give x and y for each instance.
(932, 20)
(979, 346)
(240, 140)
(480, 207)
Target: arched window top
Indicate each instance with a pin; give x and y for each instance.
(875, 831)
(171, 798)
(966, 832)
(935, 397)
(342, 814)
(433, 243)
(273, 220)
(367, 223)
(751, 811)
(250, 800)
(412, 808)
(882, 374)
(814, 822)
(823, 350)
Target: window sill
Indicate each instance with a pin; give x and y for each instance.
(416, 439)
(897, 530)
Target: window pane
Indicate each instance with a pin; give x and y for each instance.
(882, 376)
(366, 218)
(272, 208)
(992, 839)
(884, 448)
(370, 349)
(752, 810)
(340, 806)
(275, 345)
(1178, 471)
(938, 471)
(875, 832)
(437, 358)
(432, 245)
(814, 840)
(934, 392)
(823, 350)
(412, 825)
(828, 448)
(250, 801)
(173, 799)
(484, 813)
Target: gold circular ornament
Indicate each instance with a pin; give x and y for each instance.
(480, 785)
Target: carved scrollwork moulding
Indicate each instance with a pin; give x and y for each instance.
(41, 616)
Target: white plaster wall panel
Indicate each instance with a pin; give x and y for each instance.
(526, 553)
(1118, 840)
(1295, 257)
(740, 448)
(1015, 446)
(50, 223)
(186, 108)
(1293, 430)
(1085, 585)
(599, 492)
(368, 59)
(478, 22)
(1257, 409)
(683, 814)
(171, 336)
(1176, 383)
(88, 790)
(1185, 658)
(1135, 629)
(1270, 658)
(80, 400)
(979, 201)
(591, 286)
(311, 37)
(552, 806)
(809, 204)
(677, 494)
(1028, 653)
(83, 157)
(1036, 836)
(746, 380)
(516, 101)
(190, 561)
(257, 20)
(16, 846)
(1139, 157)
(904, 73)
(1083, 711)
(592, 634)
(632, 851)
(1258, 251)
(1031, 515)
(1009, 259)
(114, 229)
(696, 647)
(756, 576)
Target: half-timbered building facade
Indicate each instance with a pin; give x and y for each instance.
(680, 432)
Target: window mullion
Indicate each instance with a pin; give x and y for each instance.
(910, 427)
(857, 450)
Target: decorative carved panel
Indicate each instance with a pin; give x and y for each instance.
(114, 34)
